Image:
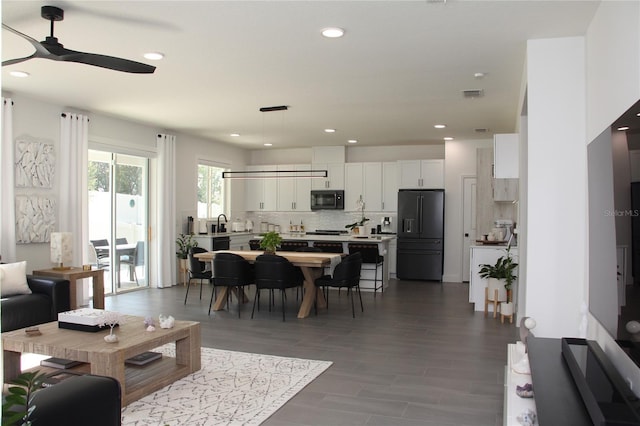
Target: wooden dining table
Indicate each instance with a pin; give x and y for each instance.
(312, 265)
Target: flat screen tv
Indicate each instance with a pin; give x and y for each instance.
(614, 275)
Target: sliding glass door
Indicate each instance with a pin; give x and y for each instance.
(118, 218)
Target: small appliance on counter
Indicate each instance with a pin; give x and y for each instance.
(202, 226)
(385, 228)
(503, 229)
(237, 226)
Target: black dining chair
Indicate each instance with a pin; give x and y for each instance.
(372, 260)
(197, 271)
(345, 275)
(232, 271)
(275, 272)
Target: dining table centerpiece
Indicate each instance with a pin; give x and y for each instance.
(270, 241)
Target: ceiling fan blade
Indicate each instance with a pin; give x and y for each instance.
(18, 60)
(40, 49)
(104, 61)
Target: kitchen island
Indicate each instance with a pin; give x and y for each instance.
(386, 248)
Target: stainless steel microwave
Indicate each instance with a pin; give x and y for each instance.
(327, 199)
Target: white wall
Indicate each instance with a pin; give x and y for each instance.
(460, 162)
(556, 193)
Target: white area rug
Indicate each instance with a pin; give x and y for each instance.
(232, 388)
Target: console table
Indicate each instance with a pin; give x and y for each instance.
(557, 400)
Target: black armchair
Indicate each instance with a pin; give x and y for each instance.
(49, 297)
(79, 401)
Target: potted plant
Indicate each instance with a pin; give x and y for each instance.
(270, 241)
(18, 404)
(500, 276)
(356, 226)
(185, 242)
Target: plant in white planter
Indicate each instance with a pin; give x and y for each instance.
(500, 277)
(359, 225)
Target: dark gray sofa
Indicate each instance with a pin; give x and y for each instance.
(49, 296)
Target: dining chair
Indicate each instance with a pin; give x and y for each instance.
(94, 259)
(120, 241)
(134, 260)
(345, 275)
(275, 272)
(197, 270)
(232, 271)
(101, 252)
(372, 260)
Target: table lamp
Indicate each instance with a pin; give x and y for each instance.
(61, 250)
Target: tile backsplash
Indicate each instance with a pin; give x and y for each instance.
(325, 219)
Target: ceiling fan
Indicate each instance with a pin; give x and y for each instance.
(50, 48)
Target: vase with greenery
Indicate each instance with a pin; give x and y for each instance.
(18, 403)
(185, 243)
(354, 226)
(270, 241)
(502, 270)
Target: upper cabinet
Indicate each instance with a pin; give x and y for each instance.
(390, 186)
(261, 194)
(506, 155)
(335, 176)
(294, 193)
(363, 179)
(422, 174)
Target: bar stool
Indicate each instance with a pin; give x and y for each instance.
(372, 258)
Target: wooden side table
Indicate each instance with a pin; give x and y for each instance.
(74, 274)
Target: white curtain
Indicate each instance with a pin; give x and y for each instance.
(166, 210)
(7, 185)
(73, 164)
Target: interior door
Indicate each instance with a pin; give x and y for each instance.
(468, 223)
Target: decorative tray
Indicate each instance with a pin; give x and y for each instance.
(491, 243)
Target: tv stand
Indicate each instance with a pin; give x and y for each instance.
(557, 400)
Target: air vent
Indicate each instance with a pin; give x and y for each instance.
(476, 93)
(481, 130)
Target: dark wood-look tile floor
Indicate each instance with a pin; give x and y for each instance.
(418, 355)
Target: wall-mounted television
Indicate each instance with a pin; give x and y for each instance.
(614, 299)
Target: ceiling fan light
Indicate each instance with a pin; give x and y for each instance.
(154, 56)
(332, 32)
(19, 74)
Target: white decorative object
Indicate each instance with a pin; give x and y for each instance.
(150, 328)
(111, 319)
(13, 279)
(82, 316)
(506, 308)
(522, 366)
(166, 322)
(35, 218)
(61, 249)
(34, 163)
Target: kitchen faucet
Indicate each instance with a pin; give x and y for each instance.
(225, 221)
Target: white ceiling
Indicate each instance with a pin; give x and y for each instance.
(399, 70)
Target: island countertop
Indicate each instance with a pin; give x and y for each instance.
(372, 238)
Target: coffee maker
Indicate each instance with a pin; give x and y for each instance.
(385, 227)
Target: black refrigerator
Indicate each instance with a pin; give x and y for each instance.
(420, 234)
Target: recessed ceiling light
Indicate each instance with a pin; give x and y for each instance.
(329, 130)
(268, 144)
(19, 74)
(448, 138)
(440, 126)
(332, 32)
(235, 135)
(623, 128)
(352, 141)
(638, 114)
(479, 75)
(154, 56)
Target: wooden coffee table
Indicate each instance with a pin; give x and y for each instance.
(107, 359)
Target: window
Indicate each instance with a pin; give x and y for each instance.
(211, 194)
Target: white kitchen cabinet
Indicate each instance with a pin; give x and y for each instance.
(363, 179)
(334, 179)
(505, 189)
(293, 193)
(390, 186)
(506, 155)
(261, 194)
(240, 241)
(426, 174)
